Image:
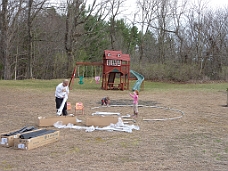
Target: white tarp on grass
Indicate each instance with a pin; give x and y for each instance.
(119, 126)
(105, 113)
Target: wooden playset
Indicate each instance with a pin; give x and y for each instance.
(115, 70)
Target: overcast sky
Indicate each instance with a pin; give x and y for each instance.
(130, 5)
(218, 3)
(212, 3)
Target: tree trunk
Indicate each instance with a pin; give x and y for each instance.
(29, 25)
(5, 48)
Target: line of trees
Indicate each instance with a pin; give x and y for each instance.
(166, 39)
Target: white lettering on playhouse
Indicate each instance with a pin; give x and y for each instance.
(111, 62)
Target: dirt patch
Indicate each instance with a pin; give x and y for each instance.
(196, 141)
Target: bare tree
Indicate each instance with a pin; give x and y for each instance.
(4, 43)
(76, 16)
(196, 24)
(115, 6)
(48, 44)
(143, 18)
(34, 8)
(178, 10)
(9, 18)
(215, 33)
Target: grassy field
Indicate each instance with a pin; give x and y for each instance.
(89, 84)
(196, 141)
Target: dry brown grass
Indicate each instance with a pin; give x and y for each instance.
(197, 141)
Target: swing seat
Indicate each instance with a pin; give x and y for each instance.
(97, 79)
(80, 80)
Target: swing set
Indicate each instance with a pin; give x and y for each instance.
(115, 71)
(82, 69)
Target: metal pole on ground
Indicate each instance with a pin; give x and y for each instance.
(227, 97)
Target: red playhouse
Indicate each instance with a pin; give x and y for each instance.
(115, 70)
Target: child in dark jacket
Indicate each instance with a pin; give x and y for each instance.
(105, 101)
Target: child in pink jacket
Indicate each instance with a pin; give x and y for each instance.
(135, 96)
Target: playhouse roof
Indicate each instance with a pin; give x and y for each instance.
(116, 55)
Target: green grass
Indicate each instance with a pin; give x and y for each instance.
(180, 86)
(91, 84)
(33, 84)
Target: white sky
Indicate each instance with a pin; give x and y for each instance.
(211, 3)
(131, 3)
(218, 3)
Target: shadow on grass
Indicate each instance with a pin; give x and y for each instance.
(129, 102)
